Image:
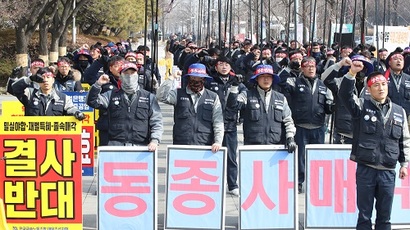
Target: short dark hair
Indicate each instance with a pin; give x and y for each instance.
(115, 59)
(142, 48)
(64, 59)
(383, 50)
(223, 58)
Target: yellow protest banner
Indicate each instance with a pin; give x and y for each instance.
(40, 174)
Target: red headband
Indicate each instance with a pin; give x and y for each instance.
(379, 78)
(396, 55)
(62, 62)
(296, 55)
(304, 64)
(37, 64)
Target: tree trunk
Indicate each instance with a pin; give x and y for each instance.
(62, 42)
(25, 28)
(54, 47)
(395, 15)
(22, 39)
(43, 48)
(304, 21)
(91, 29)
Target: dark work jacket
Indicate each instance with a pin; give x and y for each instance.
(374, 143)
(342, 119)
(192, 128)
(263, 127)
(67, 83)
(308, 107)
(401, 97)
(377, 143)
(37, 106)
(129, 121)
(221, 88)
(145, 80)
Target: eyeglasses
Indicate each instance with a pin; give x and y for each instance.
(193, 47)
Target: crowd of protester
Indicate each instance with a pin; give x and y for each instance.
(282, 93)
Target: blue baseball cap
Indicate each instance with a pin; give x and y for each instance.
(264, 69)
(197, 70)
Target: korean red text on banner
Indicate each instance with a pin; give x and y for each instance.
(331, 190)
(87, 150)
(267, 188)
(195, 188)
(41, 172)
(127, 188)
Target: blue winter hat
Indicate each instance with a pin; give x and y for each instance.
(197, 70)
(264, 69)
(85, 53)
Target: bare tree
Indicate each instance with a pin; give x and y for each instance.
(26, 20)
(43, 32)
(61, 21)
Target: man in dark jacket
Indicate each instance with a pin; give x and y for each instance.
(380, 140)
(198, 118)
(311, 101)
(266, 112)
(222, 82)
(45, 100)
(134, 116)
(91, 75)
(65, 79)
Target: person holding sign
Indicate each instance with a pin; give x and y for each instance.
(380, 139)
(266, 111)
(198, 118)
(46, 100)
(134, 116)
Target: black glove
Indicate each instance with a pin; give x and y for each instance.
(203, 53)
(290, 142)
(37, 78)
(235, 81)
(294, 65)
(269, 61)
(240, 78)
(284, 62)
(105, 57)
(16, 73)
(79, 115)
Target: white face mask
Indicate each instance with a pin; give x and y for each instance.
(129, 82)
(278, 59)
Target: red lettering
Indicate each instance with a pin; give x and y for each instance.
(209, 204)
(321, 173)
(125, 181)
(140, 204)
(195, 175)
(284, 186)
(404, 191)
(341, 184)
(258, 189)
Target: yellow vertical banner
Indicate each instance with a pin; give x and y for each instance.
(40, 172)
